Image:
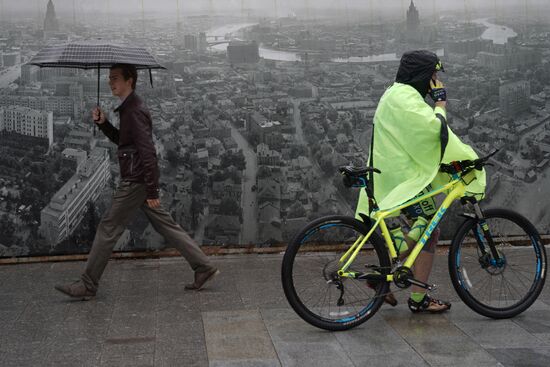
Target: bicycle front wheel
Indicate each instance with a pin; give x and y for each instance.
(310, 274)
(500, 288)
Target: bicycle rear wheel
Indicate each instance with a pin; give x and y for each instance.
(312, 285)
(491, 288)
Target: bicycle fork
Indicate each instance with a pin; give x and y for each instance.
(486, 234)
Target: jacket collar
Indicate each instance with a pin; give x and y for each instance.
(126, 101)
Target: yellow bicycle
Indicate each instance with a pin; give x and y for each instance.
(337, 269)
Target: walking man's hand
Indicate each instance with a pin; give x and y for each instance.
(153, 203)
(98, 115)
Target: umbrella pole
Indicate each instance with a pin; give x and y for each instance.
(98, 86)
(98, 76)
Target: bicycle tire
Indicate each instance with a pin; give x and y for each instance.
(288, 268)
(462, 282)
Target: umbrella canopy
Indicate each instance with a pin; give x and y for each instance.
(91, 54)
(94, 55)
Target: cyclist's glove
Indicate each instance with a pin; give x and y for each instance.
(437, 91)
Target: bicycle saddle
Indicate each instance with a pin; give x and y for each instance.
(357, 171)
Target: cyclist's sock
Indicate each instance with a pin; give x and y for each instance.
(418, 229)
(399, 240)
(417, 296)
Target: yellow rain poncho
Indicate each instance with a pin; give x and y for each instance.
(407, 149)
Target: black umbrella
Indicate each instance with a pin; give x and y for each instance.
(95, 55)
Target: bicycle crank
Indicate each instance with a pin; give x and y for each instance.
(403, 278)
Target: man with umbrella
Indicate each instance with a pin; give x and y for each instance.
(138, 189)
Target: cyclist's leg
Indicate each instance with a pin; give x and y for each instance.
(424, 261)
(419, 300)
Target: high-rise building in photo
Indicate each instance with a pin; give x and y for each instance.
(68, 206)
(203, 43)
(239, 52)
(26, 121)
(50, 21)
(11, 58)
(514, 98)
(413, 18)
(60, 106)
(29, 74)
(190, 42)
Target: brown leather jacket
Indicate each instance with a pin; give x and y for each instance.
(136, 152)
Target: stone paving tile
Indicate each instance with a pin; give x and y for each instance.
(393, 359)
(437, 340)
(524, 357)
(8, 317)
(306, 354)
(374, 337)
(246, 363)
(263, 294)
(24, 349)
(536, 319)
(24, 338)
(499, 334)
(460, 358)
(134, 305)
(181, 343)
(190, 360)
(12, 360)
(132, 326)
(13, 301)
(127, 360)
(238, 338)
(177, 302)
(143, 290)
(544, 337)
(490, 333)
(299, 344)
(210, 300)
(80, 358)
(285, 326)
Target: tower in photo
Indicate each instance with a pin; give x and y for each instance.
(51, 23)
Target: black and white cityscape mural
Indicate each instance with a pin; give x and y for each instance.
(260, 103)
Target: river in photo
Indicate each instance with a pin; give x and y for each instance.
(499, 34)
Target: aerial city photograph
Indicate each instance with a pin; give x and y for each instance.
(222, 130)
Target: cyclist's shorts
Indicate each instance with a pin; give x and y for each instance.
(426, 208)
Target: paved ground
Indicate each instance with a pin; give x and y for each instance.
(143, 317)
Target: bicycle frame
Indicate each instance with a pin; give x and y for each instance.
(457, 188)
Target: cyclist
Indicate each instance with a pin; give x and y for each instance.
(410, 140)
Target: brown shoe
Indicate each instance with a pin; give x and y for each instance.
(389, 298)
(201, 279)
(76, 290)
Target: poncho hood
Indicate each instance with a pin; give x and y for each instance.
(416, 69)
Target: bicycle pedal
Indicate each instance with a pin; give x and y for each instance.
(418, 283)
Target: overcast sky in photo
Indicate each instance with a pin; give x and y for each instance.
(283, 7)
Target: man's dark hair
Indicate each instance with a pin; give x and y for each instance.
(128, 71)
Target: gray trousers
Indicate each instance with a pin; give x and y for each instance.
(127, 199)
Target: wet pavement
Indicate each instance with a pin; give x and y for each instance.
(143, 317)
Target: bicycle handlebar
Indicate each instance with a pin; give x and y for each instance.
(468, 165)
